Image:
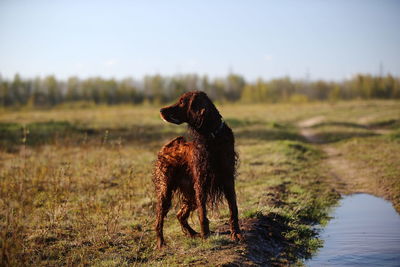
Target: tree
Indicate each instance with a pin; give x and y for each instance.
(154, 87)
(234, 87)
(53, 91)
(5, 96)
(321, 90)
(73, 89)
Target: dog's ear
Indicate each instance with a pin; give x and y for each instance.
(198, 109)
(195, 103)
(201, 116)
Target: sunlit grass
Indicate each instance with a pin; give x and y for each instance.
(75, 185)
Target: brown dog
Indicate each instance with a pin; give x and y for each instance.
(201, 171)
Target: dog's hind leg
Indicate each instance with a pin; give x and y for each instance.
(183, 215)
(163, 205)
(201, 201)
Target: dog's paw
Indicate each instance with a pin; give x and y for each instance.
(193, 234)
(161, 244)
(205, 235)
(237, 237)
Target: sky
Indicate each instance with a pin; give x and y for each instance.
(326, 39)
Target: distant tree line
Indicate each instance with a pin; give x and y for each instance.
(157, 89)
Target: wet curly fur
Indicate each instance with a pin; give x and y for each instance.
(200, 171)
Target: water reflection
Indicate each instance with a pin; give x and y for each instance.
(365, 231)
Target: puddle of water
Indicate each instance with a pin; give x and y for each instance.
(365, 231)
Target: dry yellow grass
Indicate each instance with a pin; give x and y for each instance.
(77, 190)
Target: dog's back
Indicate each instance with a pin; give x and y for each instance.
(173, 153)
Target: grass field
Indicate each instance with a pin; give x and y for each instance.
(75, 184)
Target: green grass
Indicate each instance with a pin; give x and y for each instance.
(75, 185)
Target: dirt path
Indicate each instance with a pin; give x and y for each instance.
(348, 177)
(367, 119)
(264, 242)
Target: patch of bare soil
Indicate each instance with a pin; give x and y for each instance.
(264, 242)
(307, 132)
(263, 245)
(349, 177)
(378, 129)
(311, 122)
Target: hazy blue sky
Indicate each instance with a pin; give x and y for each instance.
(330, 39)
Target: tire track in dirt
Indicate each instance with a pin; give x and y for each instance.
(347, 176)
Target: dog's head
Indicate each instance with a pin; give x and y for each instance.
(194, 108)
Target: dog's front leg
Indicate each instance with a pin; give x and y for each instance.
(201, 202)
(230, 195)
